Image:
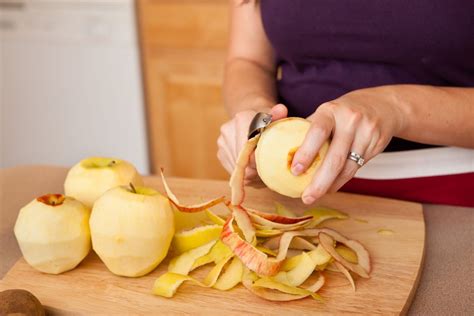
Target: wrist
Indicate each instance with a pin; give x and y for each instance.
(252, 103)
(401, 107)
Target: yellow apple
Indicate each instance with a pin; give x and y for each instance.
(276, 148)
(91, 177)
(132, 229)
(53, 233)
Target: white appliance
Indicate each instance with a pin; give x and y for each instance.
(70, 82)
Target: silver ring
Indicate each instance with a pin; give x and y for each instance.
(357, 158)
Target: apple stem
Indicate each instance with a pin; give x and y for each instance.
(113, 162)
(133, 188)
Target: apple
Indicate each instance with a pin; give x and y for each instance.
(53, 233)
(132, 229)
(91, 177)
(274, 154)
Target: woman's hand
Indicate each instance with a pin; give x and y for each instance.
(234, 135)
(362, 121)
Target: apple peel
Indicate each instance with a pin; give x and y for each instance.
(296, 243)
(299, 273)
(347, 253)
(216, 219)
(328, 244)
(287, 238)
(346, 273)
(196, 237)
(251, 257)
(188, 208)
(244, 223)
(237, 178)
(218, 252)
(319, 256)
(183, 264)
(268, 219)
(231, 276)
(321, 214)
(287, 289)
(267, 251)
(363, 257)
(167, 284)
(268, 232)
(276, 295)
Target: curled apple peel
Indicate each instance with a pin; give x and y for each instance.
(279, 222)
(346, 273)
(363, 257)
(183, 264)
(321, 214)
(281, 296)
(328, 243)
(244, 223)
(296, 292)
(237, 178)
(274, 218)
(188, 208)
(167, 284)
(198, 236)
(247, 241)
(231, 276)
(218, 252)
(296, 243)
(253, 259)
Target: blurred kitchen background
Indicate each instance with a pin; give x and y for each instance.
(138, 80)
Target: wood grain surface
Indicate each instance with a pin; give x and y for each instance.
(396, 261)
(183, 50)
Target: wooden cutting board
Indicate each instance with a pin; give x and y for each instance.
(396, 260)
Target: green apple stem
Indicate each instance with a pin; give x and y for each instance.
(133, 188)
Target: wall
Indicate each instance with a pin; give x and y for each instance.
(70, 83)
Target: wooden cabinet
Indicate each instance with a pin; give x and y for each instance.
(183, 44)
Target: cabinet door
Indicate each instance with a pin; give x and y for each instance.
(183, 45)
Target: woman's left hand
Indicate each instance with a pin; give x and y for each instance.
(362, 121)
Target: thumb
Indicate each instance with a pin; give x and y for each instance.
(278, 112)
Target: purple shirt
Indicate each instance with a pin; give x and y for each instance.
(327, 48)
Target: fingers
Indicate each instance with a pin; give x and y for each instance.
(333, 163)
(319, 132)
(250, 174)
(234, 135)
(359, 146)
(278, 112)
(252, 163)
(224, 156)
(251, 170)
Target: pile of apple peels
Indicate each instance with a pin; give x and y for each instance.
(278, 257)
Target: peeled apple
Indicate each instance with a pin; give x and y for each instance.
(132, 229)
(53, 233)
(90, 178)
(274, 154)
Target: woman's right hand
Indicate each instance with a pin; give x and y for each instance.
(234, 135)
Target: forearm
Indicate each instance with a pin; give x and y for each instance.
(248, 86)
(435, 115)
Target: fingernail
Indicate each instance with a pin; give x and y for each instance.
(308, 199)
(297, 169)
